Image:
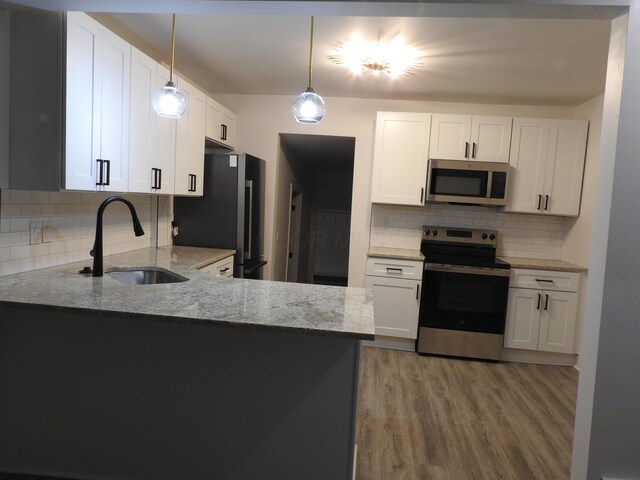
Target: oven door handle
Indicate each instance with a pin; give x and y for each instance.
(494, 272)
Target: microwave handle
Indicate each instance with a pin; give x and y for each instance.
(489, 184)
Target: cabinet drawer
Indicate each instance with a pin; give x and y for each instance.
(394, 268)
(544, 279)
(221, 268)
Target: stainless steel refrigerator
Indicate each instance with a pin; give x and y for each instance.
(230, 212)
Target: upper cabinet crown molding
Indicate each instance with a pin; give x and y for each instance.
(470, 137)
(400, 158)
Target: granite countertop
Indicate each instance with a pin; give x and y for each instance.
(204, 299)
(399, 253)
(537, 264)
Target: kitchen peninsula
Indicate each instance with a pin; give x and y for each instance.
(207, 378)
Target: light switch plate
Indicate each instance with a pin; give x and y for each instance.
(35, 233)
(47, 232)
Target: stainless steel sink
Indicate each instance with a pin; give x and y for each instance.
(145, 276)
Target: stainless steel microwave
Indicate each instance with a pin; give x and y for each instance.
(468, 182)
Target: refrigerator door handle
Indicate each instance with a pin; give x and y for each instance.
(248, 219)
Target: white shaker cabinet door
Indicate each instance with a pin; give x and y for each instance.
(142, 121)
(114, 123)
(450, 135)
(557, 321)
(396, 304)
(529, 144)
(400, 158)
(82, 109)
(523, 319)
(164, 141)
(565, 166)
(190, 142)
(490, 138)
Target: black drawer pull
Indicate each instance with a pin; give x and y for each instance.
(543, 280)
(394, 270)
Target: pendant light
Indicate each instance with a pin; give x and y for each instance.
(169, 101)
(309, 106)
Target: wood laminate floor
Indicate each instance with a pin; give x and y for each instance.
(434, 418)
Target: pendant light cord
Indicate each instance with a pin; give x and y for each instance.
(173, 47)
(310, 51)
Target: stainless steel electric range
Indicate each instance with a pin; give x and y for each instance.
(464, 294)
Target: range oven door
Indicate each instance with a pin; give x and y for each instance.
(472, 299)
(463, 311)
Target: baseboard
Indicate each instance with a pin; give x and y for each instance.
(543, 358)
(394, 343)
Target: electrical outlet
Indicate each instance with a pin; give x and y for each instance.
(35, 233)
(47, 231)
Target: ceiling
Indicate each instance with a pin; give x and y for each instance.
(488, 60)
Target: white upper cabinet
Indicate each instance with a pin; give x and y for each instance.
(97, 107)
(547, 157)
(220, 124)
(164, 144)
(565, 166)
(466, 137)
(142, 122)
(400, 158)
(189, 164)
(152, 139)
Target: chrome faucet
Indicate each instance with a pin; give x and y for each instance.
(96, 252)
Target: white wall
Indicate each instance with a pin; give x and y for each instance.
(577, 241)
(262, 118)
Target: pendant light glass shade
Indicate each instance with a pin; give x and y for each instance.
(169, 101)
(309, 106)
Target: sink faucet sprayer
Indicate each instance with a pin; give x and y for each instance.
(96, 252)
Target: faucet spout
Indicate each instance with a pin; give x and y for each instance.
(96, 252)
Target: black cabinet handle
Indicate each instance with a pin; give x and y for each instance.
(223, 133)
(224, 270)
(539, 299)
(421, 195)
(546, 301)
(543, 280)
(108, 164)
(546, 202)
(157, 179)
(466, 149)
(159, 187)
(99, 171)
(192, 182)
(539, 201)
(418, 291)
(473, 150)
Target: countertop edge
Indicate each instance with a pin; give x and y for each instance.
(153, 317)
(396, 253)
(539, 264)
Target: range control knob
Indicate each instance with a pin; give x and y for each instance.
(435, 232)
(492, 237)
(427, 232)
(484, 236)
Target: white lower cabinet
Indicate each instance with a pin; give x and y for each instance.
(221, 268)
(541, 311)
(396, 288)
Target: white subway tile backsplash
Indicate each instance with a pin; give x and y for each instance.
(73, 219)
(528, 236)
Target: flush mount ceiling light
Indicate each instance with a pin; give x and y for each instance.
(169, 101)
(394, 58)
(309, 106)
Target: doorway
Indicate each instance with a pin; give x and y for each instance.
(313, 209)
